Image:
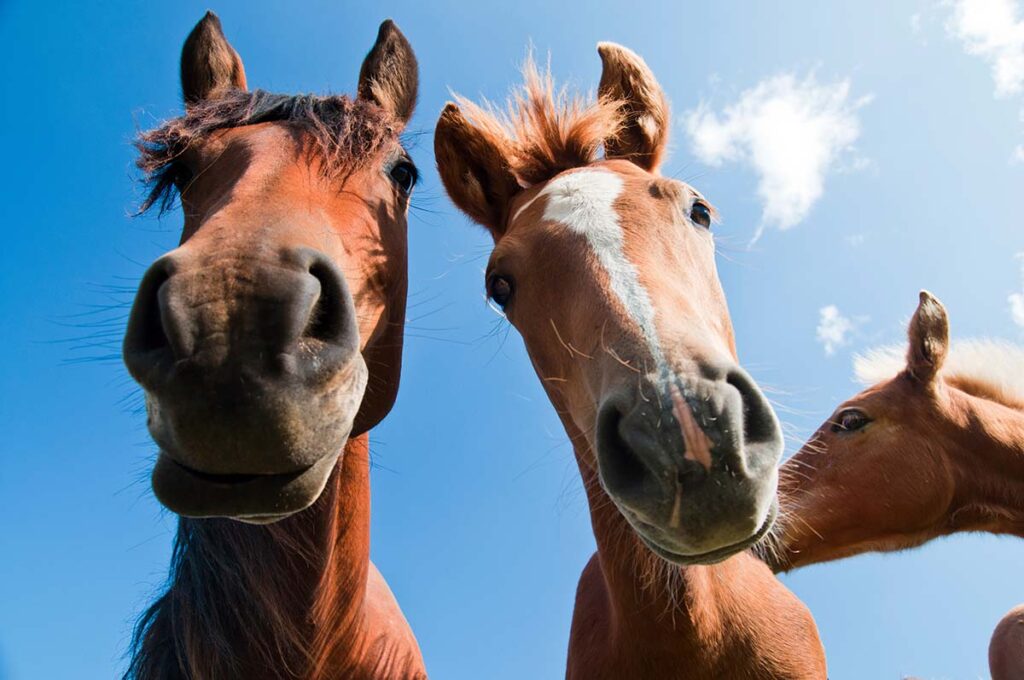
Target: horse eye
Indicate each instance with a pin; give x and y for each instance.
(850, 420)
(700, 214)
(404, 175)
(499, 289)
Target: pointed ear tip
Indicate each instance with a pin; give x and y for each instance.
(210, 19)
(453, 111)
(607, 49)
(930, 303)
(389, 29)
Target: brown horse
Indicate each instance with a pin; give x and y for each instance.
(935, 446)
(267, 344)
(1006, 649)
(607, 270)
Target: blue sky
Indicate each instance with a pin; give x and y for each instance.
(892, 168)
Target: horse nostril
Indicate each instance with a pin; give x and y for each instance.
(327, 317)
(759, 424)
(621, 467)
(146, 331)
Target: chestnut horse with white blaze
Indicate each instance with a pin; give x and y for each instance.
(607, 270)
(267, 344)
(933, 447)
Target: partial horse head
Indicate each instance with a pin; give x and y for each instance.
(607, 269)
(1006, 649)
(273, 332)
(926, 450)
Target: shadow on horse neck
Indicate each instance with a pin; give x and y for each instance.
(268, 344)
(607, 269)
(935, 446)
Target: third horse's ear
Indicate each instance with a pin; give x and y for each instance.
(210, 66)
(390, 74)
(929, 338)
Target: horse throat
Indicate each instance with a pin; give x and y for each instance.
(290, 596)
(989, 470)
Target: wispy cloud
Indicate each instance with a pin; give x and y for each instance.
(1016, 300)
(994, 31)
(792, 132)
(833, 329)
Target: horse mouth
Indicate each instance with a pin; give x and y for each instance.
(233, 479)
(215, 478)
(712, 556)
(249, 497)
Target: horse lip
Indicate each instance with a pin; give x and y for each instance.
(256, 499)
(234, 479)
(716, 555)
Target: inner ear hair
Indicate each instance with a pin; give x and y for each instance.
(928, 337)
(626, 78)
(389, 75)
(474, 170)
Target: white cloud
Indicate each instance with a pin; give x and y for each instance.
(833, 329)
(1018, 154)
(791, 132)
(1016, 300)
(994, 31)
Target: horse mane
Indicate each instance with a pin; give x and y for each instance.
(991, 369)
(543, 132)
(236, 601)
(344, 131)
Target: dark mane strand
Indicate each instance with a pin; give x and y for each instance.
(344, 132)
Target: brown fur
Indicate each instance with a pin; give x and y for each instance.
(342, 133)
(647, 117)
(390, 74)
(298, 598)
(294, 599)
(211, 67)
(1006, 649)
(939, 456)
(543, 132)
(637, 616)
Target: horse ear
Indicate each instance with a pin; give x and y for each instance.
(474, 170)
(929, 338)
(627, 79)
(209, 65)
(390, 73)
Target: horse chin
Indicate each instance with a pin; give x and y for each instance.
(256, 456)
(674, 555)
(250, 498)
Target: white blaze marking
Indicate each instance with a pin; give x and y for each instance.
(583, 201)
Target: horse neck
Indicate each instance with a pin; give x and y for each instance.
(637, 616)
(646, 596)
(987, 466)
(291, 596)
